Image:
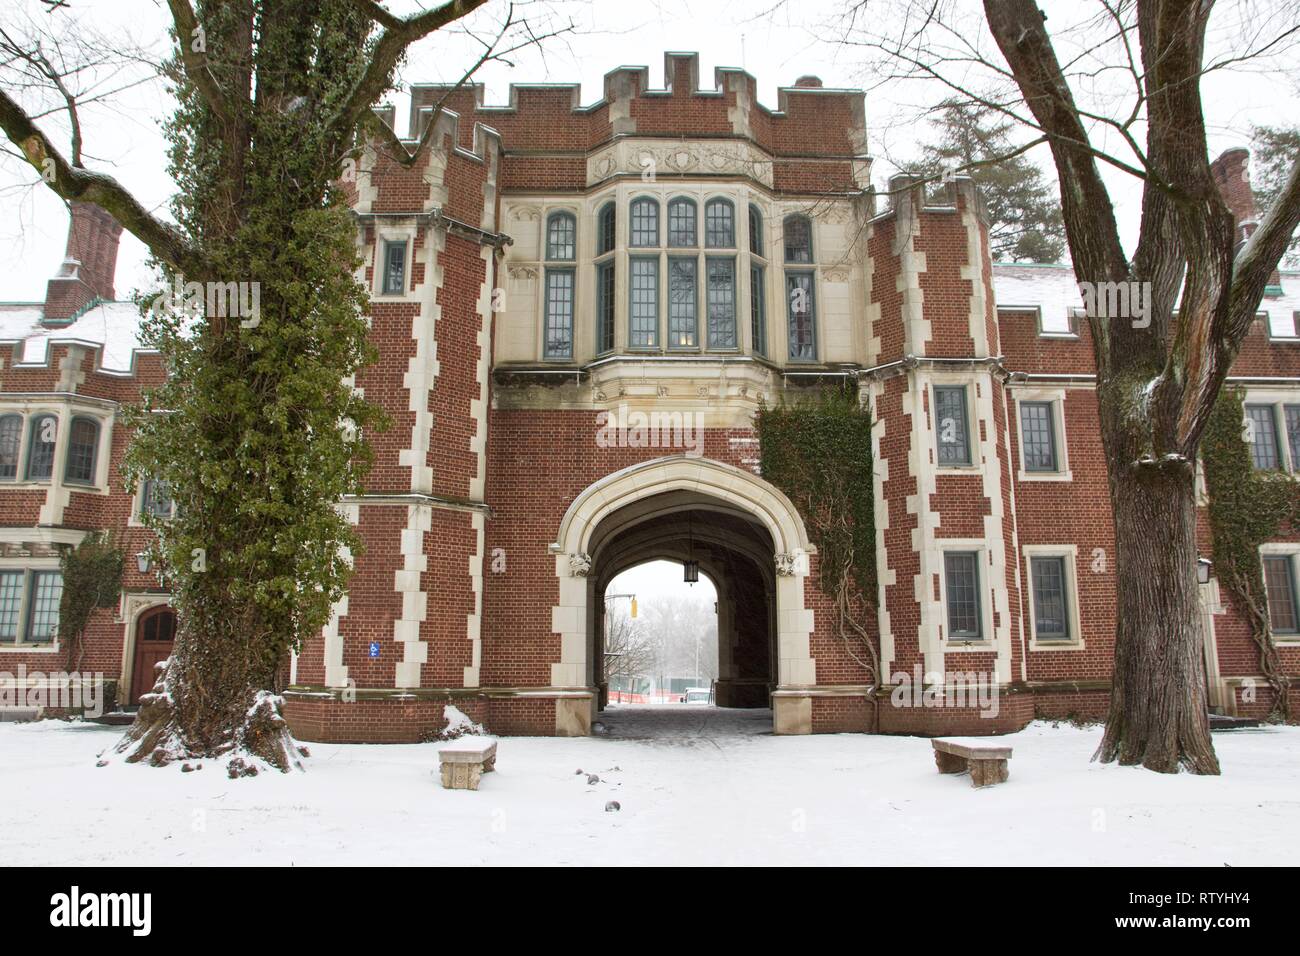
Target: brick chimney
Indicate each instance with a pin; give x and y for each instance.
(88, 265)
(1232, 175)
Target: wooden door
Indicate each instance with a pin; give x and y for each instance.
(155, 634)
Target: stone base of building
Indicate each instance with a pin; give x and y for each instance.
(56, 696)
(1253, 697)
(1011, 710)
(335, 715)
(824, 709)
(1082, 701)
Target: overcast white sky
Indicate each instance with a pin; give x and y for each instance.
(660, 578)
(776, 45)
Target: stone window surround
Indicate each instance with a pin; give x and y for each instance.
(986, 642)
(1291, 549)
(28, 565)
(1277, 398)
(65, 408)
(136, 518)
(587, 210)
(557, 216)
(384, 234)
(940, 378)
(1056, 396)
(1070, 552)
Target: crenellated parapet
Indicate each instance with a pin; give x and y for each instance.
(815, 136)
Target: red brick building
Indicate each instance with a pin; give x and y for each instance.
(578, 309)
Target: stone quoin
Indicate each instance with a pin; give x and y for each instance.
(577, 310)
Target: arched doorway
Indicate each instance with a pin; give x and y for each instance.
(155, 635)
(743, 532)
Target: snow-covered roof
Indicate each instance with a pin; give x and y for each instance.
(1053, 290)
(113, 327)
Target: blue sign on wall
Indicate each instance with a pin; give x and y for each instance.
(374, 648)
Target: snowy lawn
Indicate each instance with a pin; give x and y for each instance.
(690, 799)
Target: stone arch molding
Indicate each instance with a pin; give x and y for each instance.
(725, 483)
(747, 491)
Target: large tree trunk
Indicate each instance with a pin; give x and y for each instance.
(1158, 716)
(212, 699)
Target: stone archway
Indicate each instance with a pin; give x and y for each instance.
(662, 486)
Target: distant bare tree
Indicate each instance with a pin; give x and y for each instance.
(629, 650)
(684, 630)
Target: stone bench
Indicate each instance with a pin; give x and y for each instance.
(987, 762)
(465, 760)
(15, 714)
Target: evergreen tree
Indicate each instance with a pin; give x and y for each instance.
(1024, 212)
(1273, 152)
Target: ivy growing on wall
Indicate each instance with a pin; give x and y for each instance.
(817, 450)
(92, 578)
(1247, 507)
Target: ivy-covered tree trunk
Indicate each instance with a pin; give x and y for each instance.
(256, 430)
(1158, 715)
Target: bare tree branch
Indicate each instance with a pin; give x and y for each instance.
(399, 33)
(398, 151)
(74, 183)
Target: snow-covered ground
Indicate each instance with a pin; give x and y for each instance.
(713, 791)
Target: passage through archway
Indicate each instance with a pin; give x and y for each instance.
(744, 535)
(658, 637)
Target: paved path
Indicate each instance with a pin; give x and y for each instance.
(680, 722)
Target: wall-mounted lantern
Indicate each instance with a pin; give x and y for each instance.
(1203, 566)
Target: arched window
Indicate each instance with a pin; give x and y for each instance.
(158, 624)
(645, 223)
(83, 443)
(681, 223)
(798, 239)
(607, 219)
(720, 224)
(755, 230)
(11, 442)
(561, 235)
(40, 456)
